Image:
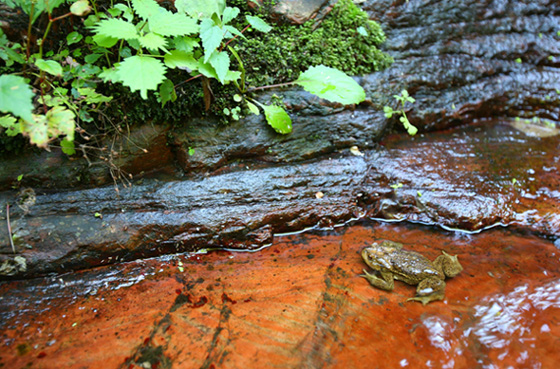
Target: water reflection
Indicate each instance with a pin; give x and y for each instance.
(504, 328)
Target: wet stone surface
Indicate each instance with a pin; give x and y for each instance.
(299, 303)
(469, 178)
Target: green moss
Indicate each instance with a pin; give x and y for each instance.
(346, 39)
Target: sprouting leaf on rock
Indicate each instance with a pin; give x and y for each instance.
(258, 24)
(49, 66)
(277, 118)
(388, 111)
(331, 84)
(16, 96)
(412, 130)
(141, 73)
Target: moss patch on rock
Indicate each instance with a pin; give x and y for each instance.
(346, 39)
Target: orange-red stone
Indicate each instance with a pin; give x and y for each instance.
(299, 303)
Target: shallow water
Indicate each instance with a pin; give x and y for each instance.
(297, 303)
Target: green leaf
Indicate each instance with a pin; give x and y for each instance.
(126, 11)
(234, 31)
(10, 124)
(278, 118)
(201, 8)
(388, 111)
(73, 37)
(408, 126)
(37, 130)
(184, 43)
(220, 61)
(146, 8)
(229, 14)
(206, 69)
(110, 74)
(117, 28)
(141, 73)
(61, 122)
(211, 36)
(362, 31)
(331, 84)
(105, 41)
(92, 96)
(80, 8)
(258, 24)
(16, 97)
(67, 147)
(172, 24)
(92, 58)
(253, 108)
(180, 59)
(167, 92)
(153, 41)
(49, 66)
(232, 75)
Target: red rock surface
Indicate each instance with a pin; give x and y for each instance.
(297, 304)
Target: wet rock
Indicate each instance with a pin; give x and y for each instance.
(302, 301)
(470, 60)
(298, 12)
(470, 178)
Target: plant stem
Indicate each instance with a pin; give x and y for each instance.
(10, 227)
(234, 37)
(242, 88)
(188, 80)
(271, 86)
(28, 45)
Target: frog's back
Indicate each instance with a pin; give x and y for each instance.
(411, 267)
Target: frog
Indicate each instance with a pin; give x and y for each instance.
(391, 262)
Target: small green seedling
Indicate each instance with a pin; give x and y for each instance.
(403, 98)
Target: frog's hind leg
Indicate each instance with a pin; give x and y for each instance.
(428, 290)
(448, 264)
(386, 281)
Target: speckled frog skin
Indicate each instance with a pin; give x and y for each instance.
(391, 262)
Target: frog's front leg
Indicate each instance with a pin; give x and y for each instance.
(386, 282)
(428, 290)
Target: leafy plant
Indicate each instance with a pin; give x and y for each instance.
(156, 33)
(138, 42)
(403, 98)
(60, 109)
